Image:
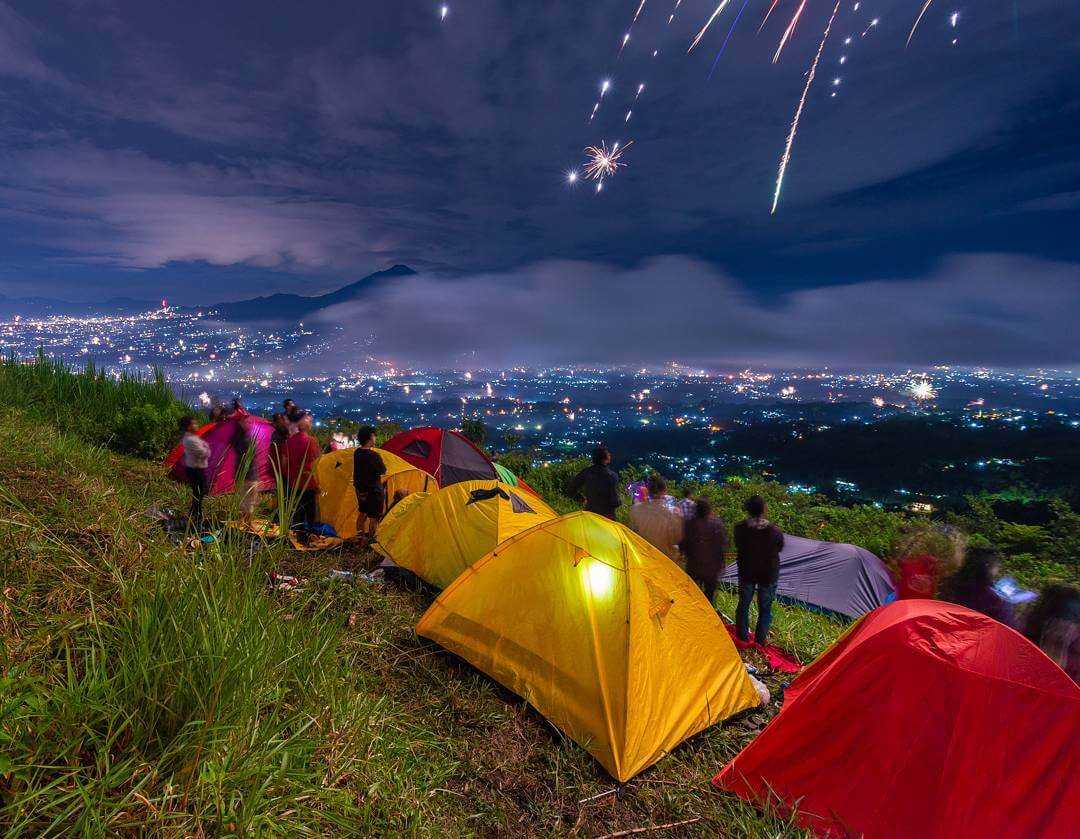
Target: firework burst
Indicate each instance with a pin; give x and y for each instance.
(604, 162)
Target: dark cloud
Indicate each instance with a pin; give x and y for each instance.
(212, 151)
(972, 311)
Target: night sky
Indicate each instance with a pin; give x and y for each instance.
(209, 151)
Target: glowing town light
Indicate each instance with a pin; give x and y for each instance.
(204, 399)
(600, 577)
(879, 402)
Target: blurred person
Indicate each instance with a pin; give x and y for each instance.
(246, 445)
(296, 463)
(1053, 623)
(926, 554)
(598, 485)
(973, 585)
(656, 521)
(196, 465)
(368, 471)
(705, 545)
(293, 414)
(758, 543)
(687, 506)
(281, 431)
(217, 413)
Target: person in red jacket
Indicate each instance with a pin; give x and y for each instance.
(295, 460)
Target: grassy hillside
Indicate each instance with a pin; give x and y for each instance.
(149, 687)
(152, 688)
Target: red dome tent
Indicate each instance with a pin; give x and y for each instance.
(928, 720)
(447, 455)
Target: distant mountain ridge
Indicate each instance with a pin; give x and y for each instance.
(273, 307)
(296, 306)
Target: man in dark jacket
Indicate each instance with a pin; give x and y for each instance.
(704, 544)
(758, 543)
(598, 485)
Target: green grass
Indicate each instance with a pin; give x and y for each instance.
(152, 689)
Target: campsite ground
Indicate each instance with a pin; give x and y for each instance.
(153, 688)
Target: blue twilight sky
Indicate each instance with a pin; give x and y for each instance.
(210, 151)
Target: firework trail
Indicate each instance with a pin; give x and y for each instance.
(788, 31)
(911, 34)
(786, 156)
(622, 46)
(766, 18)
(604, 162)
(727, 38)
(708, 23)
(637, 14)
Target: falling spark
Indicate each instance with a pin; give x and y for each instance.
(788, 31)
(708, 23)
(953, 18)
(625, 41)
(605, 86)
(604, 161)
(843, 59)
(637, 14)
(655, 53)
(572, 177)
(727, 37)
(627, 118)
(874, 23)
(599, 185)
(786, 156)
(640, 88)
(443, 12)
(915, 26)
(769, 12)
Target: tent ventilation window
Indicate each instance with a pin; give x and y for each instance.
(418, 448)
(519, 506)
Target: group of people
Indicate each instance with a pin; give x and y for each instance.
(293, 453)
(688, 531)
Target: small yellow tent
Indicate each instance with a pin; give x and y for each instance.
(337, 498)
(599, 631)
(438, 535)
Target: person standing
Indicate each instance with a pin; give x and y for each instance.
(1053, 623)
(687, 506)
(973, 585)
(598, 485)
(368, 471)
(247, 453)
(293, 414)
(705, 544)
(758, 543)
(196, 465)
(296, 461)
(656, 521)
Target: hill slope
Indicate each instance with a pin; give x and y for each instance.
(294, 307)
(178, 696)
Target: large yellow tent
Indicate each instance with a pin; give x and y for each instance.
(603, 634)
(337, 498)
(438, 535)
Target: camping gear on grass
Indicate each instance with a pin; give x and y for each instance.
(337, 498)
(437, 535)
(926, 719)
(601, 633)
(833, 576)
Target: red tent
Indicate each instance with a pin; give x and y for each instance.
(225, 457)
(447, 455)
(928, 720)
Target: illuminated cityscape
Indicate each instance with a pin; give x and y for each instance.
(695, 423)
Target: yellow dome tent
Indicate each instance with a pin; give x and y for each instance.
(438, 535)
(337, 498)
(600, 632)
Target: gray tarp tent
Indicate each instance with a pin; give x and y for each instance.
(841, 578)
